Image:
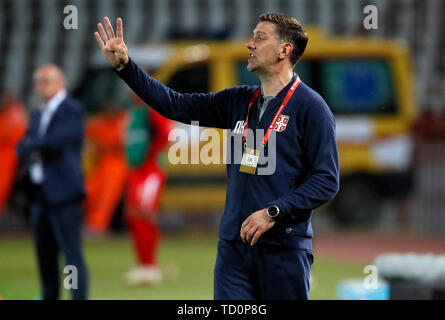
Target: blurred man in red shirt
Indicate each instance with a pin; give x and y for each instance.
(13, 125)
(146, 138)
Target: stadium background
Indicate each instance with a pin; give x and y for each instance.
(32, 33)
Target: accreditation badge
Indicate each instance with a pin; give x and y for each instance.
(249, 161)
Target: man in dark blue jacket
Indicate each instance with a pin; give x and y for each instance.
(51, 150)
(265, 247)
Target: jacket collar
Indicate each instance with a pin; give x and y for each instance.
(276, 101)
(52, 105)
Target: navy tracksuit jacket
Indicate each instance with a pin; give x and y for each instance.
(307, 171)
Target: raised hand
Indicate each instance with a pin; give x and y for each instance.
(113, 47)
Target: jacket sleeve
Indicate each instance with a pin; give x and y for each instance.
(322, 183)
(210, 109)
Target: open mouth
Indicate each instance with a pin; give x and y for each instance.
(251, 57)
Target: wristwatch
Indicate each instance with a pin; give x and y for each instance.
(273, 212)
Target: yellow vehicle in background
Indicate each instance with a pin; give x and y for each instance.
(367, 83)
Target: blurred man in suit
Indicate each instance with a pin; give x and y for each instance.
(51, 148)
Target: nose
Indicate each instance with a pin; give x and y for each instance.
(250, 44)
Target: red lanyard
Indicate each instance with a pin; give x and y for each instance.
(277, 115)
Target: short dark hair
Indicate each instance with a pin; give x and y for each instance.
(288, 30)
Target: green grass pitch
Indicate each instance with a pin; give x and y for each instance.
(187, 262)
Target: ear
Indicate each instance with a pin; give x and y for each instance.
(285, 50)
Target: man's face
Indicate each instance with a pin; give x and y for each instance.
(263, 46)
(47, 83)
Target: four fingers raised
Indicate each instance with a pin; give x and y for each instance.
(102, 37)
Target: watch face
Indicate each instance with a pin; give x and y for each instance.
(272, 211)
